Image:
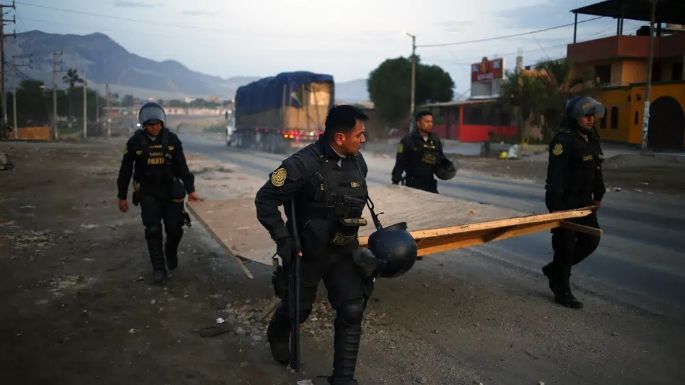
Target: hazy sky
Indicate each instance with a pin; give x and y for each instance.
(347, 39)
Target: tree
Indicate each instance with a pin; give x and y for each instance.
(389, 87)
(71, 78)
(536, 98)
(32, 103)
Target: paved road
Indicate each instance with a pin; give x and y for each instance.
(640, 261)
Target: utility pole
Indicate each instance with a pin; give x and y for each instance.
(109, 112)
(3, 97)
(14, 90)
(648, 93)
(412, 106)
(55, 71)
(85, 114)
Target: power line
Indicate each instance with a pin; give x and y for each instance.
(505, 36)
(147, 22)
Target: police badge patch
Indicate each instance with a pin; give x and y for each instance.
(558, 149)
(278, 177)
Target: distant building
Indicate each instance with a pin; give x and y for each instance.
(475, 120)
(620, 65)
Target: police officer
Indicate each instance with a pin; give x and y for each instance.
(419, 155)
(327, 180)
(574, 180)
(161, 178)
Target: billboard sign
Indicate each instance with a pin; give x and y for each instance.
(486, 78)
(487, 70)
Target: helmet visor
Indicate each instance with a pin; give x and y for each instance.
(588, 106)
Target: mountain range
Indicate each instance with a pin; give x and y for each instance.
(106, 62)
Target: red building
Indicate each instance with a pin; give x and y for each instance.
(475, 120)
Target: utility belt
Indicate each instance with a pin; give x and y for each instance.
(176, 190)
(332, 230)
(346, 231)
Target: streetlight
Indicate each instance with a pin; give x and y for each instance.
(413, 80)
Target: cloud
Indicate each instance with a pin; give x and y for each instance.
(455, 26)
(537, 16)
(199, 12)
(134, 4)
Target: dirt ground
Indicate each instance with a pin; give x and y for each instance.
(79, 308)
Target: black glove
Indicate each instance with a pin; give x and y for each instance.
(365, 260)
(284, 249)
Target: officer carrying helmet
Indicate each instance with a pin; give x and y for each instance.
(154, 158)
(420, 157)
(574, 180)
(323, 191)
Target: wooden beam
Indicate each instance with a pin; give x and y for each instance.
(594, 231)
(427, 246)
(443, 239)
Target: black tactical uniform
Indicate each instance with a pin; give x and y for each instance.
(161, 174)
(574, 180)
(329, 193)
(419, 159)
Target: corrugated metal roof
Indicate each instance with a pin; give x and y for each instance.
(667, 11)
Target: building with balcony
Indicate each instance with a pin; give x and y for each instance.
(620, 66)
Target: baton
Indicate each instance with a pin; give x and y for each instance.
(294, 294)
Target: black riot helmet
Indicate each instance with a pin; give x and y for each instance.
(446, 169)
(584, 105)
(394, 249)
(151, 111)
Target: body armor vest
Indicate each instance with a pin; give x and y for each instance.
(156, 162)
(336, 205)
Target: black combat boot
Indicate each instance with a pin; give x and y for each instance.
(346, 344)
(171, 251)
(550, 271)
(565, 297)
(278, 335)
(154, 246)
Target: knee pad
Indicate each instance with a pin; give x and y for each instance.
(351, 313)
(153, 232)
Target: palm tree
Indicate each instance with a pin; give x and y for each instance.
(72, 77)
(536, 98)
(522, 98)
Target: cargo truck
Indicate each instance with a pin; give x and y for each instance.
(282, 112)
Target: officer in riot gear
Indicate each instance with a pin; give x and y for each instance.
(154, 157)
(574, 180)
(327, 184)
(419, 155)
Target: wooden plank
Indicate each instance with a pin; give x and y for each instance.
(443, 239)
(234, 225)
(429, 246)
(211, 216)
(595, 232)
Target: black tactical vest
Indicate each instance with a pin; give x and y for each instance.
(155, 159)
(335, 201)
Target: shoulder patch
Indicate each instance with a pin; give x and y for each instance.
(558, 149)
(278, 177)
(400, 148)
